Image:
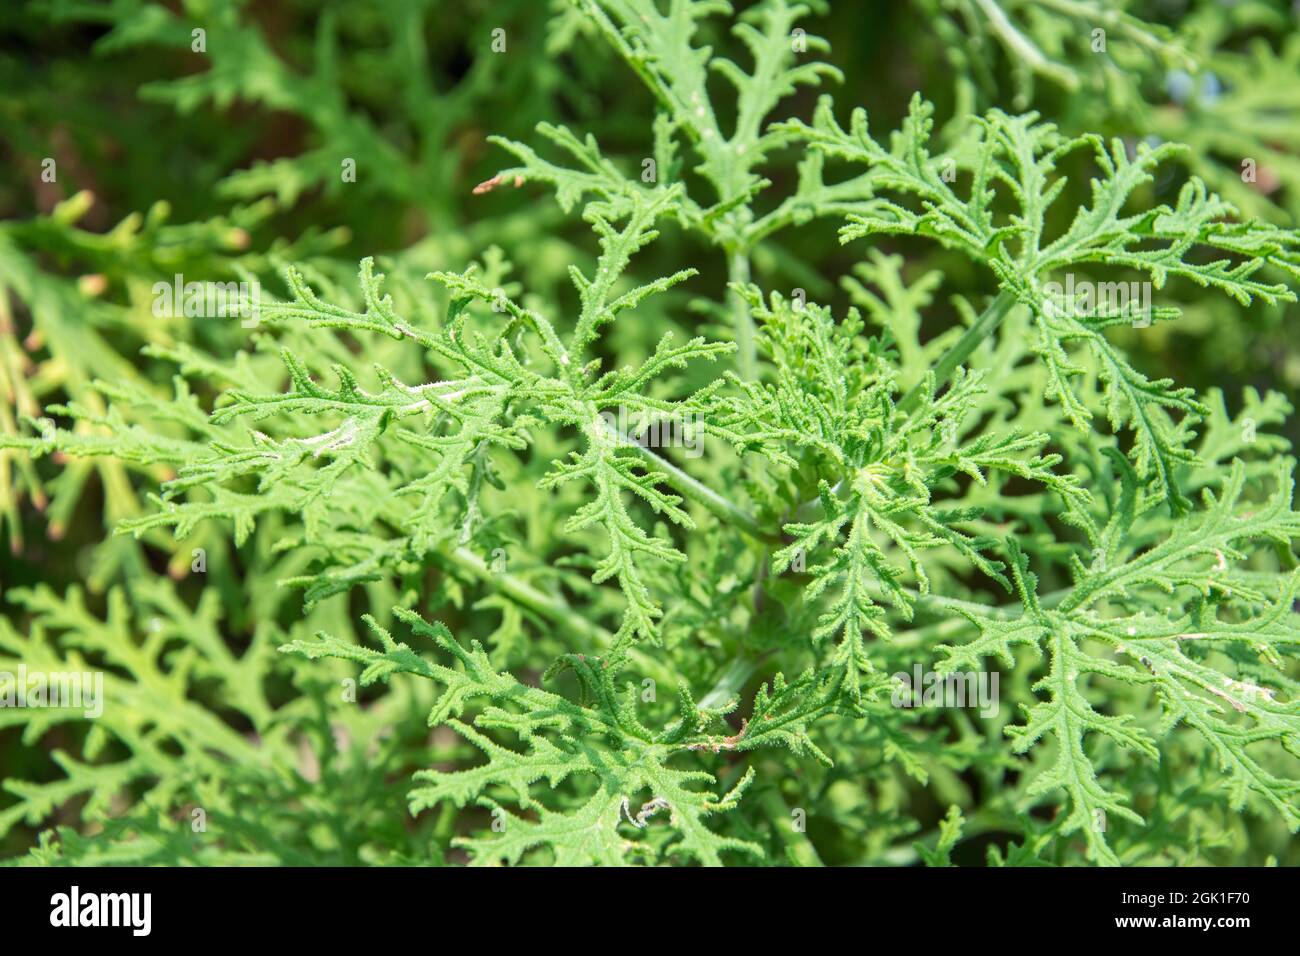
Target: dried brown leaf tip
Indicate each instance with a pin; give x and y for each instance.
(490, 184)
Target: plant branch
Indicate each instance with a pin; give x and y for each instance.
(553, 609)
(719, 505)
(742, 323)
(963, 348)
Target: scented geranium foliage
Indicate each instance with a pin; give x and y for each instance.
(661, 524)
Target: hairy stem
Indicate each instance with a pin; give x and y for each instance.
(523, 593)
(1023, 48)
(701, 493)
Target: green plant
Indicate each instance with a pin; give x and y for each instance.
(644, 638)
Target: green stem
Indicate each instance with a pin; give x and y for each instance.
(556, 610)
(964, 347)
(721, 507)
(801, 850)
(523, 593)
(1023, 48)
(742, 321)
(743, 665)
